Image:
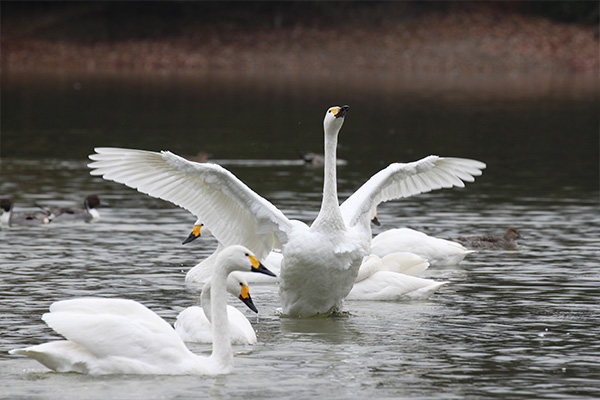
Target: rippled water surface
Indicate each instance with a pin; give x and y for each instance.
(510, 324)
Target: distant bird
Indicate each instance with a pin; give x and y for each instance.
(317, 160)
(11, 218)
(200, 156)
(508, 242)
(87, 213)
(314, 159)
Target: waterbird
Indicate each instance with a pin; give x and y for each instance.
(87, 213)
(193, 324)
(320, 261)
(120, 336)
(438, 252)
(11, 218)
(507, 242)
(393, 277)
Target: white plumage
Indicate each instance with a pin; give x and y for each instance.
(321, 261)
(194, 323)
(393, 277)
(118, 336)
(439, 252)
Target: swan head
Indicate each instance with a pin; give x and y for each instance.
(237, 285)
(334, 119)
(239, 258)
(195, 234)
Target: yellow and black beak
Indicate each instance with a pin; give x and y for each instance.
(246, 299)
(194, 235)
(340, 112)
(258, 267)
(375, 221)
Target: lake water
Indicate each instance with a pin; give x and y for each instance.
(510, 324)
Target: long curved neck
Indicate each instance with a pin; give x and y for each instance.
(205, 301)
(222, 352)
(330, 209)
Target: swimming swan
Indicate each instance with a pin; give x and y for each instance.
(321, 261)
(194, 324)
(118, 336)
(393, 277)
(439, 252)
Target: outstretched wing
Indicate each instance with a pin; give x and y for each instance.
(407, 179)
(230, 210)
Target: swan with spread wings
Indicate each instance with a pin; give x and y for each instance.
(321, 260)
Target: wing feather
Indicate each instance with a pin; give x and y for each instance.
(230, 210)
(400, 180)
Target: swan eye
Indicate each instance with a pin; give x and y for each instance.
(247, 255)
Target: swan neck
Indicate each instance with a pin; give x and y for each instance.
(330, 208)
(205, 301)
(222, 351)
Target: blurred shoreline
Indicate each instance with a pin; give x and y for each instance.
(470, 40)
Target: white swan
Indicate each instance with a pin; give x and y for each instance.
(439, 252)
(194, 324)
(320, 262)
(393, 277)
(117, 336)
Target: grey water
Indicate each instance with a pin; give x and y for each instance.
(518, 324)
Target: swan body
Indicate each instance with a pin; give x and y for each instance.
(439, 252)
(393, 277)
(119, 336)
(320, 261)
(194, 324)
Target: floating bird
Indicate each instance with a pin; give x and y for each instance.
(9, 217)
(87, 213)
(439, 252)
(320, 261)
(118, 336)
(194, 323)
(508, 242)
(393, 277)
